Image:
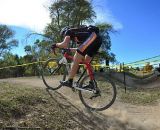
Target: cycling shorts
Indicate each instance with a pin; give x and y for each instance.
(90, 46)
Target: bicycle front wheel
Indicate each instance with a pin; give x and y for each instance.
(102, 99)
(52, 73)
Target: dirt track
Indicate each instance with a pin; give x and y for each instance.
(119, 117)
(151, 82)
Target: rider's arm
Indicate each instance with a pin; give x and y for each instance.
(65, 42)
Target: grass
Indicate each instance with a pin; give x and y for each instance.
(139, 96)
(24, 106)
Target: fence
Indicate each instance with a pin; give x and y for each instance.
(133, 66)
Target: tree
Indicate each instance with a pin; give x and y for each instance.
(105, 50)
(39, 50)
(11, 60)
(68, 13)
(6, 39)
(75, 13)
(28, 49)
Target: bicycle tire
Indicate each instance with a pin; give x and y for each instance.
(107, 83)
(52, 73)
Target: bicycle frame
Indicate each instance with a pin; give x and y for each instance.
(93, 84)
(66, 57)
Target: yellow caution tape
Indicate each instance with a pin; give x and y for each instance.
(50, 64)
(53, 64)
(14, 66)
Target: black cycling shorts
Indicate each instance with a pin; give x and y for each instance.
(90, 47)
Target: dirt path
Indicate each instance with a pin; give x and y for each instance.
(151, 82)
(119, 117)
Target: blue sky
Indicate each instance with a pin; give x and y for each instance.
(22, 35)
(137, 22)
(140, 36)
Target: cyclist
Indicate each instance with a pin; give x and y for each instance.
(89, 41)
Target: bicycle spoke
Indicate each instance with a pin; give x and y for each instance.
(102, 99)
(53, 73)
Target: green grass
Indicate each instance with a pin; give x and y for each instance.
(25, 106)
(31, 107)
(140, 96)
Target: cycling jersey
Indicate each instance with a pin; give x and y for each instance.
(81, 35)
(88, 38)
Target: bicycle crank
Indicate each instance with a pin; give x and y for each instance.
(96, 94)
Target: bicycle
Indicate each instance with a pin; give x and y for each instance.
(96, 90)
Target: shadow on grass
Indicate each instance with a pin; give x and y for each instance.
(91, 120)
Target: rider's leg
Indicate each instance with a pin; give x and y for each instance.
(88, 59)
(80, 54)
(75, 65)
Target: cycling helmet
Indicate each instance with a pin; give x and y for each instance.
(64, 30)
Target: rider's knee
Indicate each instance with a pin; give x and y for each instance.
(78, 57)
(88, 59)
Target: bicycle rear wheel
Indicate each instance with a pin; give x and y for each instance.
(105, 96)
(52, 73)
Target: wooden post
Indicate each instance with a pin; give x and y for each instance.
(124, 81)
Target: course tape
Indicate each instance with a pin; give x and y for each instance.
(14, 66)
(144, 61)
(138, 63)
(27, 64)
